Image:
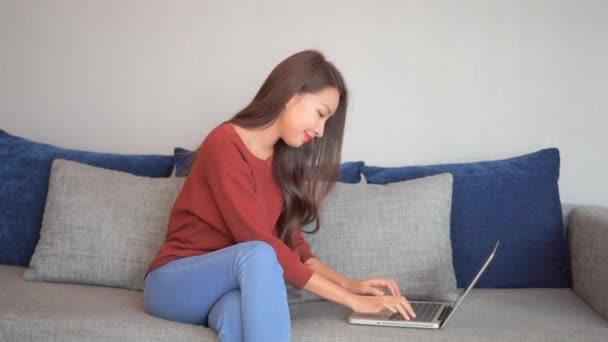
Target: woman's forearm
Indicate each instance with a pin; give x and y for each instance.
(316, 265)
(329, 290)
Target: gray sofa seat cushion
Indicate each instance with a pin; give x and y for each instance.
(35, 311)
(45, 311)
(537, 314)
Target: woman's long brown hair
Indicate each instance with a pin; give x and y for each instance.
(306, 174)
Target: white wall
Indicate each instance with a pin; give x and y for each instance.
(430, 81)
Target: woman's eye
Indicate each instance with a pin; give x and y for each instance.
(320, 114)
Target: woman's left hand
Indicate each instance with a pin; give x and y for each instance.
(373, 286)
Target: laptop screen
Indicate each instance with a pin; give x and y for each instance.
(473, 282)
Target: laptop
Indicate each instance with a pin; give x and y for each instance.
(429, 315)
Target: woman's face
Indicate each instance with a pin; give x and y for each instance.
(305, 114)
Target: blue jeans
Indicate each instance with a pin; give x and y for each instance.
(238, 291)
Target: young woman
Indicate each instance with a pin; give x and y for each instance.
(234, 234)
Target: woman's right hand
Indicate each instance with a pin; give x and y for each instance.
(375, 304)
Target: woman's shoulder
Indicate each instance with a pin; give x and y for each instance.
(221, 142)
(221, 131)
(218, 134)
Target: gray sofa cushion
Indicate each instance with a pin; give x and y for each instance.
(101, 226)
(52, 312)
(526, 315)
(56, 312)
(399, 231)
(589, 255)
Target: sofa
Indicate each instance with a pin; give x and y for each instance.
(575, 310)
(39, 311)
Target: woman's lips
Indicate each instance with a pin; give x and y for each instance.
(308, 137)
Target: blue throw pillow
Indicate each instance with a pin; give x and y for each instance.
(514, 200)
(350, 172)
(183, 160)
(24, 179)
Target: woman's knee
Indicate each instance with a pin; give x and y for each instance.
(260, 253)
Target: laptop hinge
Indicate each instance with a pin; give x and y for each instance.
(445, 313)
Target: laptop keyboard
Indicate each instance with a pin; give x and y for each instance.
(424, 312)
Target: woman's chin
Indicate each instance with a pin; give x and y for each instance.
(296, 143)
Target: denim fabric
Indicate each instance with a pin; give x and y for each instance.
(238, 291)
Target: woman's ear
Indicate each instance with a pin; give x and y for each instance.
(292, 100)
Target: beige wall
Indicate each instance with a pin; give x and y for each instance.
(430, 81)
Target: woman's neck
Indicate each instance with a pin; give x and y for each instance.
(259, 142)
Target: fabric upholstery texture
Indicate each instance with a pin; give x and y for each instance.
(399, 231)
(101, 227)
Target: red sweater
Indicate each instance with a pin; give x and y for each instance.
(230, 196)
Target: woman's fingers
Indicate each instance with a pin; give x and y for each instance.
(396, 288)
(408, 307)
(403, 312)
(380, 284)
(401, 305)
(390, 285)
(397, 308)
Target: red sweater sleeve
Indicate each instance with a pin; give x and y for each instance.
(301, 246)
(230, 179)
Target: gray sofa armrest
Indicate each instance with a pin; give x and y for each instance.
(588, 246)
